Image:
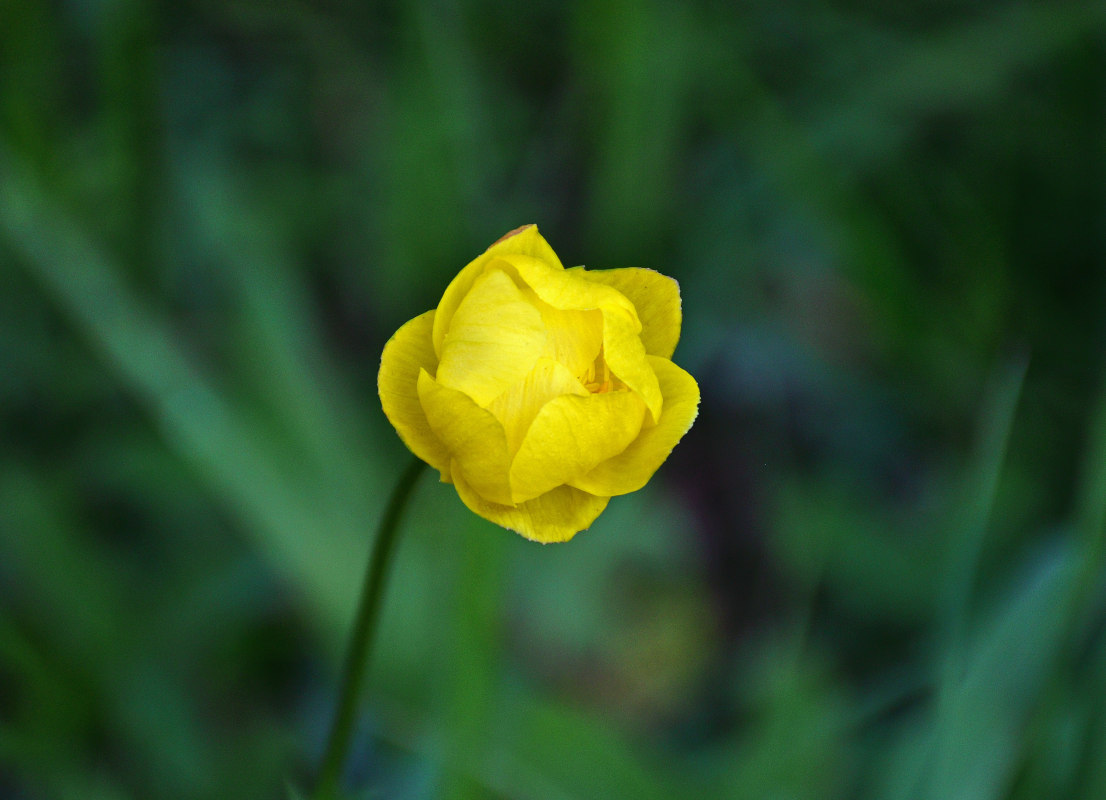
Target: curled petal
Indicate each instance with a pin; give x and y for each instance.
(566, 289)
(656, 298)
(570, 436)
(523, 241)
(516, 408)
(625, 355)
(407, 353)
(473, 436)
(555, 516)
(631, 469)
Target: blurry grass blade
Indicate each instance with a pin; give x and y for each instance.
(1094, 744)
(472, 680)
(83, 615)
(455, 98)
(955, 70)
(868, 248)
(797, 741)
(1091, 499)
(641, 54)
(31, 60)
(289, 364)
(838, 540)
(584, 756)
(987, 682)
(975, 734)
(996, 420)
(195, 418)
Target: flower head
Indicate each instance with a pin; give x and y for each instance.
(540, 392)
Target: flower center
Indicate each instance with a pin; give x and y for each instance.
(598, 379)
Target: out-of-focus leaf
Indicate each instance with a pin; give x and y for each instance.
(81, 610)
(948, 71)
(207, 430)
(833, 537)
(797, 743)
(973, 738)
(473, 682)
(996, 419)
(579, 755)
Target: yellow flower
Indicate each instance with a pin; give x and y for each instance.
(540, 392)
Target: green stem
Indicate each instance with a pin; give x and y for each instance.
(360, 645)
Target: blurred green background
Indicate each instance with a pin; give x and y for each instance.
(874, 568)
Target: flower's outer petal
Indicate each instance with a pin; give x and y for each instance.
(405, 354)
(556, 516)
(475, 439)
(632, 468)
(494, 340)
(524, 241)
(516, 408)
(570, 436)
(656, 298)
(567, 289)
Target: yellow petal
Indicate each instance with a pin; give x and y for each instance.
(570, 436)
(524, 241)
(625, 355)
(405, 354)
(574, 337)
(656, 298)
(568, 289)
(516, 408)
(623, 350)
(555, 516)
(493, 341)
(632, 468)
(472, 435)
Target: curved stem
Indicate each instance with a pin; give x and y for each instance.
(360, 645)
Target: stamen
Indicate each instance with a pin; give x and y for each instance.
(598, 379)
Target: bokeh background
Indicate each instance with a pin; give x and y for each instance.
(874, 568)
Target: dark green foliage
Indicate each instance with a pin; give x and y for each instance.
(874, 569)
